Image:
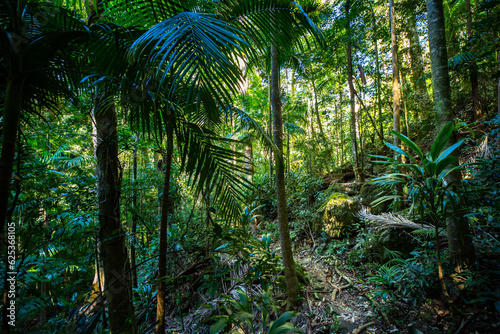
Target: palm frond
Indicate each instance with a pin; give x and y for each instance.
(282, 22)
(214, 169)
(196, 51)
(248, 123)
(391, 220)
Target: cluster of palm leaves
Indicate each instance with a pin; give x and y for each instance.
(174, 65)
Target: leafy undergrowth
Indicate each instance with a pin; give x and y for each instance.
(240, 289)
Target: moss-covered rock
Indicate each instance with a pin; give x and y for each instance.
(370, 192)
(336, 216)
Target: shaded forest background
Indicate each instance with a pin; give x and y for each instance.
(217, 166)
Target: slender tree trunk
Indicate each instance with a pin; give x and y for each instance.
(395, 77)
(395, 89)
(162, 257)
(269, 131)
(460, 244)
(134, 215)
(341, 125)
(377, 77)
(473, 69)
(291, 281)
(116, 267)
(352, 96)
(416, 63)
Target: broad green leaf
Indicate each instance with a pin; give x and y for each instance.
(218, 326)
(414, 147)
(441, 140)
(280, 321)
(285, 328)
(448, 151)
(441, 166)
(398, 150)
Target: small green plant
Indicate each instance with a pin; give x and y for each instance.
(240, 313)
(425, 177)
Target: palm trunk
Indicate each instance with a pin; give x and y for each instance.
(162, 258)
(116, 267)
(291, 281)
(269, 131)
(460, 244)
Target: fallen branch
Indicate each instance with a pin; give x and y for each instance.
(362, 328)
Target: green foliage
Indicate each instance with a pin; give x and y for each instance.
(425, 178)
(240, 313)
(406, 279)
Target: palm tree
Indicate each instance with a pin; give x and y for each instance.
(37, 62)
(195, 57)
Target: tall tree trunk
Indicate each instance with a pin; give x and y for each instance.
(134, 215)
(377, 76)
(269, 131)
(352, 96)
(341, 126)
(476, 110)
(460, 244)
(291, 281)
(395, 77)
(395, 88)
(116, 267)
(162, 257)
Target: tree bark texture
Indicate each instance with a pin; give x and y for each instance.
(162, 258)
(291, 281)
(460, 244)
(116, 267)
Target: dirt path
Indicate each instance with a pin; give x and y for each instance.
(335, 299)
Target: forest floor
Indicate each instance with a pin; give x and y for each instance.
(340, 300)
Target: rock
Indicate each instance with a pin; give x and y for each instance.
(336, 216)
(370, 192)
